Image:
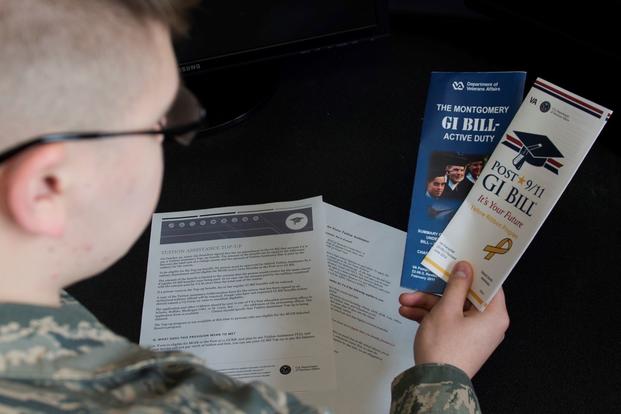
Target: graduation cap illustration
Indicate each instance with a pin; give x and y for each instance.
(534, 149)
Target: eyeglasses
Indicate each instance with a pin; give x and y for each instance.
(181, 123)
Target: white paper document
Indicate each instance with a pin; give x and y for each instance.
(300, 295)
(245, 288)
(373, 343)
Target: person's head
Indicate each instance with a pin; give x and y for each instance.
(475, 167)
(435, 185)
(456, 173)
(70, 209)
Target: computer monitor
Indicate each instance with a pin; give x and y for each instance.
(233, 32)
(228, 57)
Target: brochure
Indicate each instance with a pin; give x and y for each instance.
(465, 116)
(522, 181)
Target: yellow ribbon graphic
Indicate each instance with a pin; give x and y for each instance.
(498, 249)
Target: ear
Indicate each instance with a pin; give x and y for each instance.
(34, 190)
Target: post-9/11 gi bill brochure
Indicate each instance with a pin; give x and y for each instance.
(538, 155)
(465, 115)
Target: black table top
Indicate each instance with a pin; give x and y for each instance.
(345, 123)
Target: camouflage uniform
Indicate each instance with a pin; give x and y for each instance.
(64, 360)
(433, 388)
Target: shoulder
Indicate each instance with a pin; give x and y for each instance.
(156, 383)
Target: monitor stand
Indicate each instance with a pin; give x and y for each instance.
(231, 94)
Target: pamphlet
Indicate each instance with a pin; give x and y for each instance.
(465, 115)
(245, 288)
(538, 155)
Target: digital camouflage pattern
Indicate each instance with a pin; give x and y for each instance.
(434, 388)
(62, 360)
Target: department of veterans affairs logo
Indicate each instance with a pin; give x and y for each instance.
(285, 369)
(458, 86)
(545, 106)
(534, 149)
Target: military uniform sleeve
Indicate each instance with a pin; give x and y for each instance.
(62, 360)
(433, 388)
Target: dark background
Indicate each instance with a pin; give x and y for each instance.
(345, 123)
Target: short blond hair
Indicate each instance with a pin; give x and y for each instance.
(76, 64)
(173, 13)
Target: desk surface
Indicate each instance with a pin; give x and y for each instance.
(345, 124)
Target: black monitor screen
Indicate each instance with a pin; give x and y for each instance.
(234, 31)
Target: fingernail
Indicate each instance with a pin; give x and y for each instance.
(460, 270)
(460, 275)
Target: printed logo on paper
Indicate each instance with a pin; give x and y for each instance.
(501, 247)
(545, 106)
(534, 149)
(296, 221)
(285, 369)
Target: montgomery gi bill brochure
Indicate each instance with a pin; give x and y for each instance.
(465, 116)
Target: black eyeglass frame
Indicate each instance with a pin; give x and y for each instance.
(174, 132)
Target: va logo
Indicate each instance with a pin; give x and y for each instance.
(285, 369)
(458, 86)
(534, 149)
(545, 106)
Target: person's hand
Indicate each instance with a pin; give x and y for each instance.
(451, 330)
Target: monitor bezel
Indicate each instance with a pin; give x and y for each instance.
(297, 47)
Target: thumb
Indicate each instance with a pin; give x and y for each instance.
(457, 288)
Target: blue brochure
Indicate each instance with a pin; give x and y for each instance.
(465, 116)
